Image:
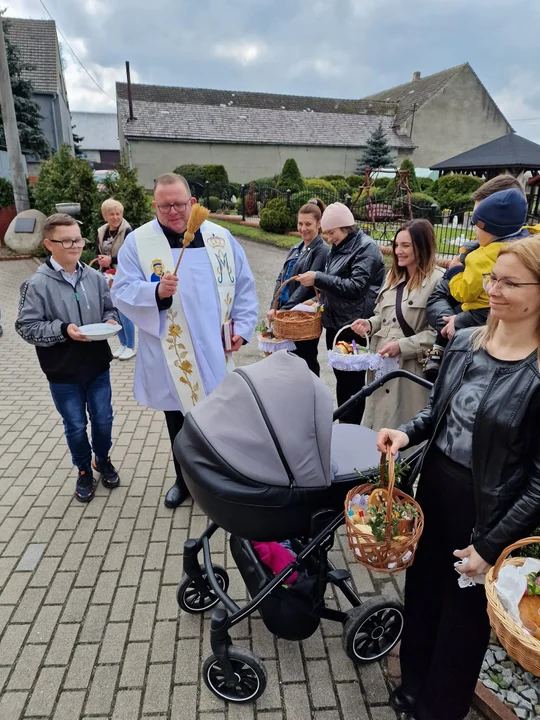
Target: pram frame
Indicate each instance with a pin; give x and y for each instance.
(325, 522)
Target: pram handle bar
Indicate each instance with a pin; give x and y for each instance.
(368, 390)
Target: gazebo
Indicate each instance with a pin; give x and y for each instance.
(508, 154)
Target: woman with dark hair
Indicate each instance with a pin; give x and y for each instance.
(399, 327)
(308, 255)
(349, 285)
(479, 486)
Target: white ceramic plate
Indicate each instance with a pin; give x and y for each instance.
(100, 331)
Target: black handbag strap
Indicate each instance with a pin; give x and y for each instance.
(403, 324)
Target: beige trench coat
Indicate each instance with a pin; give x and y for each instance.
(399, 400)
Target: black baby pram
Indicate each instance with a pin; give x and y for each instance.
(264, 461)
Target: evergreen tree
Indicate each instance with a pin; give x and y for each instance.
(123, 185)
(378, 152)
(291, 177)
(413, 180)
(29, 118)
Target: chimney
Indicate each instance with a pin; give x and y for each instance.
(416, 75)
(130, 98)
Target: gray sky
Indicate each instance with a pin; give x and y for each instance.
(339, 48)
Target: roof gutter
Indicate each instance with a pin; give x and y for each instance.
(146, 138)
(55, 128)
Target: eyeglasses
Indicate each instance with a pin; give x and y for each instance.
(506, 285)
(178, 207)
(68, 244)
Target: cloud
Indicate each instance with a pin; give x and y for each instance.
(242, 53)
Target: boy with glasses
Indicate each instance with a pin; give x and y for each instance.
(63, 295)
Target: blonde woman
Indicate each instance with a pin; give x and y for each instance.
(479, 486)
(110, 239)
(399, 326)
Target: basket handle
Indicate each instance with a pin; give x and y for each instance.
(388, 457)
(280, 288)
(92, 262)
(337, 335)
(506, 552)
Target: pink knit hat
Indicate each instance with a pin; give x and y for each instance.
(335, 216)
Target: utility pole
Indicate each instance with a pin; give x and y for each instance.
(11, 131)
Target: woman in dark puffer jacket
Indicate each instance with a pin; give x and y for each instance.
(349, 285)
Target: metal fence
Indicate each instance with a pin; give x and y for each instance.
(380, 219)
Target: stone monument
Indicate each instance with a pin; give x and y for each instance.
(25, 237)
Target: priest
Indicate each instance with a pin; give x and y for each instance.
(183, 320)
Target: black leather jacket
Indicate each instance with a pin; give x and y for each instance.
(505, 447)
(351, 281)
(313, 258)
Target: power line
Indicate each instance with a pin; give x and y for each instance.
(75, 55)
(536, 119)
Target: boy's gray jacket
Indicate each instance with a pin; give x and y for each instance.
(49, 304)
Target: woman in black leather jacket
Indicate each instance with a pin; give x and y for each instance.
(349, 286)
(479, 486)
(309, 254)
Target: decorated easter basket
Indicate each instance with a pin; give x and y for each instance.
(518, 643)
(364, 360)
(390, 553)
(295, 324)
(109, 275)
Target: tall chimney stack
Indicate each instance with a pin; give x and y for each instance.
(416, 76)
(130, 97)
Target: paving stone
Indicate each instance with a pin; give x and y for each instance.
(290, 661)
(295, 699)
(149, 586)
(12, 704)
(45, 623)
(26, 668)
(158, 687)
(343, 669)
(89, 572)
(44, 695)
(320, 684)
(127, 705)
(32, 554)
(112, 648)
(29, 605)
(80, 668)
(131, 573)
(69, 706)
(62, 644)
(101, 694)
(184, 702)
(94, 623)
(134, 665)
(143, 622)
(105, 588)
(373, 682)
(14, 588)
(45, 572)
(163, 642)
(11, 643)
(123, 604)
(187, 661)
(75, 609)
(351, 701)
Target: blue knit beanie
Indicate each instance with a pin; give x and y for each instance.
(502, 213)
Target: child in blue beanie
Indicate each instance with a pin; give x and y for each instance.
(497, 220)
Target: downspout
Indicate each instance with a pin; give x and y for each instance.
(129, 153)
(55, 128)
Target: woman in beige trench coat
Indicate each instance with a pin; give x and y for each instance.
(406, 335)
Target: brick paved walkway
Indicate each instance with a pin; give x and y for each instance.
(89, 624)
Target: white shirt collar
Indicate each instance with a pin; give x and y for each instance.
(56, 265)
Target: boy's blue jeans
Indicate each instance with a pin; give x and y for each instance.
(72, 400)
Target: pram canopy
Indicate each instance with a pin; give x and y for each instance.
(272, 421)
(260, 454)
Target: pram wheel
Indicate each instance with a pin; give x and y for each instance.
(192, 600)
(250, 676)
(372, 629)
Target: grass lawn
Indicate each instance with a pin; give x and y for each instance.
(254, 233)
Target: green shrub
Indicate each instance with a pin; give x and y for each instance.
(320, 191)
(265, 182)
(331, 178)
(66, 178)
(413, 181)
(426, 185)
(216, 174)
(123, 185)
(6, 193)
(192, 172)
(214, 203)
(323, 188)
(532, 551)
(276, 217)
(382, 182)
(453, 190)
(341, 186)
(421, 206)
(355, 181)
(291, 177)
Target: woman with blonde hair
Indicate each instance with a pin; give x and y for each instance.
(110, 239)
(479, 486)
(399, 327)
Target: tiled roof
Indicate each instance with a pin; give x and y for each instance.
(214, 123)
(508, 151)
(418, 91)
(37, 44)
(98, 130)
(263, 101)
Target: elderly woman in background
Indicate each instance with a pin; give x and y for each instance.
(309, 254)
(399, 327)
(110, 239)
(349, 285)
(479, 486)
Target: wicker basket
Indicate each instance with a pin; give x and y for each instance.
(108, 278)
(524, 648)
(295, 324)
(388, 555)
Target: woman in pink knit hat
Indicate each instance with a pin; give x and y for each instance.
(349, 285)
